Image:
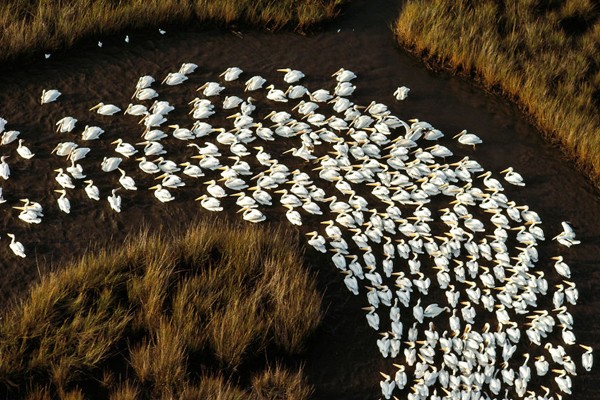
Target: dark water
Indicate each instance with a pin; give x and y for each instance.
(342, 360)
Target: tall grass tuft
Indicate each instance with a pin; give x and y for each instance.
(543, 55)
(277, 383)
(30, 26)
(161, 317)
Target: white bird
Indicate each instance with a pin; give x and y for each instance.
(4, 168)
(16, 247)
(561, 267)
(24, 151)
(136, 109)
(587, 358)
(187, 68)
(63, 202)
(123, 148)
(387, 386)
(567, 236)
(231, 73)
(468, 138)
(78, 154)
(126, 181)
(9, 137)
(162, 194)
(162, 31)
(174, 78)
(66, 124)
(144, 82)
(91, 133)
(514, 178)
(255, 83)
(210, 203)
(344, 75)
(92, 190)
(110, 164)
(105, 109)
(291, 75)
(252, 215)
(115, 201)
(401, 93)
(48, 96)
(145, 94)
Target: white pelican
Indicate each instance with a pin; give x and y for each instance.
(152, 148)
(111, 163)
(64, 148)
(252, 215)
(567, 236)
(587, 358)
(293, 216)
(401, 93)
(211, 89)
(66, 124)
(344, 75)
(63, 202)
(4, 168)
(105, 109)
(231, 74)
(514, 178)
(144, 82)
(317, 241)
(115, 201)
(174, 78)
(123, 148)
(468, 138)
(171, 181)
(561, 267)
(276, 94)
(231, 102)
(76, 171)
(63, 179)
(9, 137)
(215, 190)
(192, 170)
(320, 96)
(291, 75)
(187, 68)
(48, 96)
(352, 285)
(126, 181)
(162, 194)
(387, 386)
(296, 92)
(145, 94)
(210, 203)
(78, 154)
(92, 190)
(136, 109)
(255, 83)
(344, 89)
(91, 132)
(24, 151)
(147, 166)
(16, 247)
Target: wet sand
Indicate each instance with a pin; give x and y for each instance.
(342, 359)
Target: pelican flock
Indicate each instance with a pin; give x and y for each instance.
(446, 263)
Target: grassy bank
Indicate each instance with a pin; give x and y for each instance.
(30, 26)
(543, 54)
(192, 317)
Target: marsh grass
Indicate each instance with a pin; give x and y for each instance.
(545, 55)
(163, 317)
(30, 26)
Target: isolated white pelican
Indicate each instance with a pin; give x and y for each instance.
(63, 203)
(468, 138)
(401, 93)
(114, 200)
(16, 247)
(48, 96)
(24, 151)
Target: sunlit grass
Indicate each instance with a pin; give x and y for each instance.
(164, 318)
(30, 26)
(543, 54)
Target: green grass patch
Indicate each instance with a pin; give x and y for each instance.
(30, 26)
(545, 55)
(194, 316)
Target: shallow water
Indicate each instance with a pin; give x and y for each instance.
(342, 361)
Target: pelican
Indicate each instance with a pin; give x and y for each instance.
(9, 137)
(48, 96)
(401, 93)
(231, 74)
(76, 171)
(144, 82)
(91, 132)
(276, 94)
(255, 83)
(252, 215)
(152, 148)
(387, 386)
(210, 203)
(111, 163)
(293, 216)
(291, 75)
(105, 109)
(78, 154)
(567, 236)
(512, 177)
(468, 138)
(211, 89)
(115, 201)
(174, 78)
(123, 148)
(215, 190)
(16, 247)
(162, 194)
(320, 96)
(66, 124)
(126, 181)
(63, 179)
(192, 170)
(170, 181)
(187, 68)
(561, 267)
(587, 359)
(231, 102)
(4, 168)
(296, 92)
(63, 202)
(136, 109)
(24, 151)
(92, 190)
(145, 94)
(344, 75)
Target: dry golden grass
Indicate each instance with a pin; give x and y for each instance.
(279, 383)
(30, 26)
(153, 318)
(543, 54)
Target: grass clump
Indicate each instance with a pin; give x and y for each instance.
(187, 317)
(31, 26)
(545, 55)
